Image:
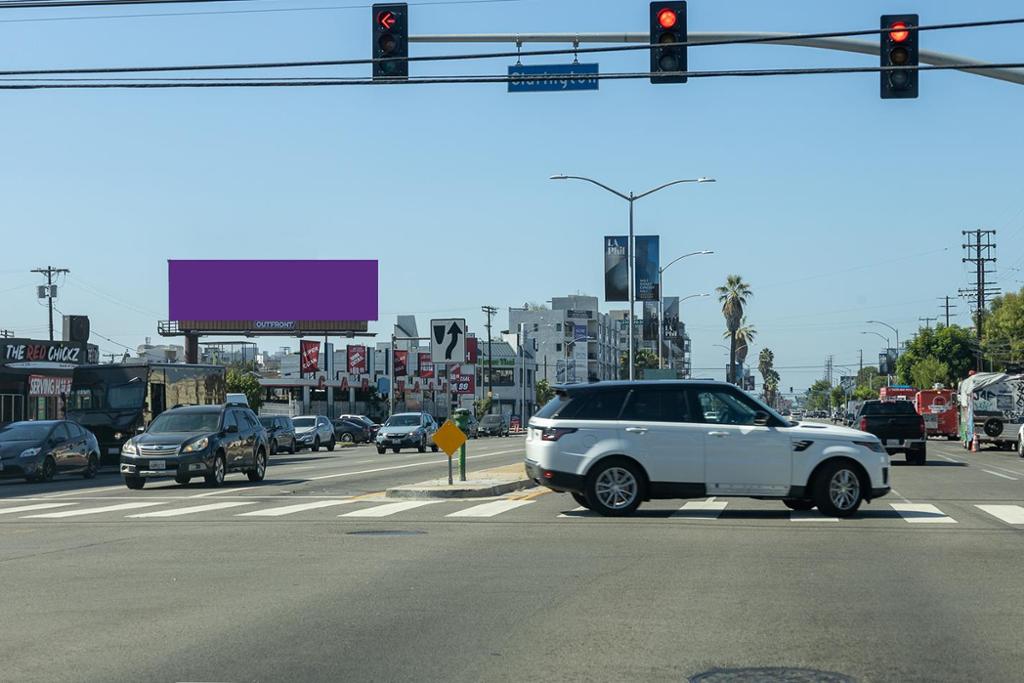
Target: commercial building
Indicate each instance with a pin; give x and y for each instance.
(675, 352)
(35, 376)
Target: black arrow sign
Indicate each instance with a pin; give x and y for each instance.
(454, 331)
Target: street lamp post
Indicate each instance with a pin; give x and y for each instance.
(661, 296)
(879, 322)
(888, 345)
(631, 198)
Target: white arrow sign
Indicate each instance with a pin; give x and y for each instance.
(448, 340)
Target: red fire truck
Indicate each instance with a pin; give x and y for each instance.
(938, 408)
(897, 393)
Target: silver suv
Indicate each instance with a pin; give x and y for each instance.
(314, 431)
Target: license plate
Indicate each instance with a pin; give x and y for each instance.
(113, 451)
(894, 442)
(156, 464)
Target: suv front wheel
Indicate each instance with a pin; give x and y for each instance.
(216, 477)
(261, 467)
(838, 491)
(613, 488)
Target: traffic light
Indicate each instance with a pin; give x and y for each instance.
(899, 48)
(391, 41)
(668, 25)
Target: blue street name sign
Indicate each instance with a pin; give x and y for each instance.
(556, 77)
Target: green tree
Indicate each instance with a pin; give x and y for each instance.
(1004, 331)
(544, 392)
(818, 395)
(838, 397)
(241, 382)
(733, 296)
(869, 381)
(482, 406)
(644, 358)
(951, 345)
(769, 376)
(928, 372)
(745, 335)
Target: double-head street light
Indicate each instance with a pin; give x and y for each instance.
(880, 336)
(661, 297)
(879, 322)
(631, 198)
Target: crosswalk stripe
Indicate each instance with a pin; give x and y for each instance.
(1011, 514)
(575, 512)
(389, 509)
(700, 509)
(38, 506)
(490, 509)
(810, 516)
(91, 511)
(178, 512)
(290, 509)
(922, 513)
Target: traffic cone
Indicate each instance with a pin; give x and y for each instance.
(974, 444)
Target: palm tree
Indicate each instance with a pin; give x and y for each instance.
(769, 377)
(733, 296)
(745, 336)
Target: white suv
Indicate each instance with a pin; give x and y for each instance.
(615, 444)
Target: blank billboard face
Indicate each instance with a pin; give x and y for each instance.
(272, 290)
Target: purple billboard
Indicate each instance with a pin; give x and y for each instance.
(272, 290)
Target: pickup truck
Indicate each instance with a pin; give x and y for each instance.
(897, 425)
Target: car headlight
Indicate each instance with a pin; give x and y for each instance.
(875, 446)
(29, 452)
(129, 448)
(118, 436)
(195, 446)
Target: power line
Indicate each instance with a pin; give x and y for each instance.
(530, 53)
(70, 84)
(37, 4)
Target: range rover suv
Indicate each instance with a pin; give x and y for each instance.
(613, 445)
(197, 441)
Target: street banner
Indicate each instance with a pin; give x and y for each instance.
(41, 385)
(650, 321)
(579, 333)
(401, 363)
(616, 269)
(648, 279)
(472, 350)
(670, 323)
(464, 384)
(426, 367)
(357, 360)
(309, 356)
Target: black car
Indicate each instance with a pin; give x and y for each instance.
(280, 433)
(350, 431)
(493, 425)
(374, 427)
(40, 449)
(206, 441)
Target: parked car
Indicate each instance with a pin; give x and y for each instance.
(373, 426)
(613, 445)
(350, 431)
(898, 426)
(313, 431)
(472, 429)
(38, 450)
(280, 433)
(238, 399)
(407, 430)
(493, 425)
(197, 441)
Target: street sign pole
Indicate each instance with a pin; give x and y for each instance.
(462, 463)
(450, 480)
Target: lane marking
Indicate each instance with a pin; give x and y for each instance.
(177, 512)
(389, 509)
(219, 492)
(298, 507)
(700, 509)
(1004, 469)
(491, 509)
(92, 511)
(922, 513)
(28, 508)
(402, 467)
(575, 513)
(947, 458)
(901, 496)
(534, 495)
(997, 474)
(810, 516)
(1011, 514)
(83, 491)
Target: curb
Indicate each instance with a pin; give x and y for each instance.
(456, 491)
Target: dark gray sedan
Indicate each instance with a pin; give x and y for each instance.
(38, 450)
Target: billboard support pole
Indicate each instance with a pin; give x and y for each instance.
(391, 377)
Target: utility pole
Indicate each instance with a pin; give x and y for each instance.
(928, 322)
(861, 367)
(947, 306)
(6, 334)
(980, 251)
(489, 310)
(49, 272)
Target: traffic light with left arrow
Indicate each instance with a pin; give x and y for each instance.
(390, 41)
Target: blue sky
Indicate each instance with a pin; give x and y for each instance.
(836, 206)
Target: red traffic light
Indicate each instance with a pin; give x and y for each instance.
(667, 18)
(387, 20)
(898, 32)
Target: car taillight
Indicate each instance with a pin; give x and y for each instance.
(921, 420)
(555, 433)
(863, 425)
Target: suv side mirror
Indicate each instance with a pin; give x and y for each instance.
(761, 418)
(140, 429)
(231, 429)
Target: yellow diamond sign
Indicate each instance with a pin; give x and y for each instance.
(449, 438)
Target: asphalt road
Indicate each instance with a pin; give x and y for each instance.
(314, 576)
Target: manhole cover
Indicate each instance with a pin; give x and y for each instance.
(770, 675)
(386, 532)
